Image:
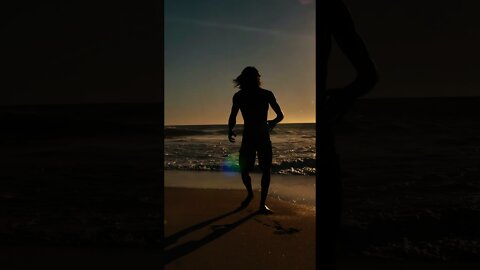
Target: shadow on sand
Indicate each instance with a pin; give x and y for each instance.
(278, 228)
(174, 253)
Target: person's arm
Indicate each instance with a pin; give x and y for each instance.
(276, 108)
(341, 27)
(353, 47)
(232, 120)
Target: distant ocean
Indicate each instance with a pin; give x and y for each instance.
(206, 148)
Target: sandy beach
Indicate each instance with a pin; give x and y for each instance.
(88, 193)
(204, 229)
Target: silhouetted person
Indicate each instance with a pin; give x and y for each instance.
(335, 21)
(340, 26)
(253, 102)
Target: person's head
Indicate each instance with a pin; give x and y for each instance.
(248, 79)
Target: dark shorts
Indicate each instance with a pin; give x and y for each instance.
(250, 148)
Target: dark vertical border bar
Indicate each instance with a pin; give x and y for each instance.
(328, 187)
(160, 16)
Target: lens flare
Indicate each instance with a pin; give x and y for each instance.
(230, 165)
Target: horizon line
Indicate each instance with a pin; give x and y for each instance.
(170, 125)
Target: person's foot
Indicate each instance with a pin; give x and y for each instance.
(247, 200)
(265, 210)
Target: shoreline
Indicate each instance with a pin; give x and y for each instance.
(296, 189)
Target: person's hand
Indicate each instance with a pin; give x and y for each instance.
(339, 101)
(271, 124)
(231, 134)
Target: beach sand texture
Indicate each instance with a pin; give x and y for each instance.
(205, 230)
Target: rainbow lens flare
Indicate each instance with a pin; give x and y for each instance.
(230, 165)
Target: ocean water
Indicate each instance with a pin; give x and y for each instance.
(206, 148)
(410, 174)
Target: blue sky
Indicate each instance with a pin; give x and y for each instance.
(208, 43)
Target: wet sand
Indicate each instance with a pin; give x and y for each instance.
(294, 188)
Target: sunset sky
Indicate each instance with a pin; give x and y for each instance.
(64, 52)
(422, 49)
(208, 43)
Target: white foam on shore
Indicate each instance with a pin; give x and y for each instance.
(293, 188)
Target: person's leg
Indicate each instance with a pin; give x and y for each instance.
(265, 186)
(247, 181)
(265, 162)
(246, 161)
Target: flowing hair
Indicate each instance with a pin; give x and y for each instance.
(248, 79)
